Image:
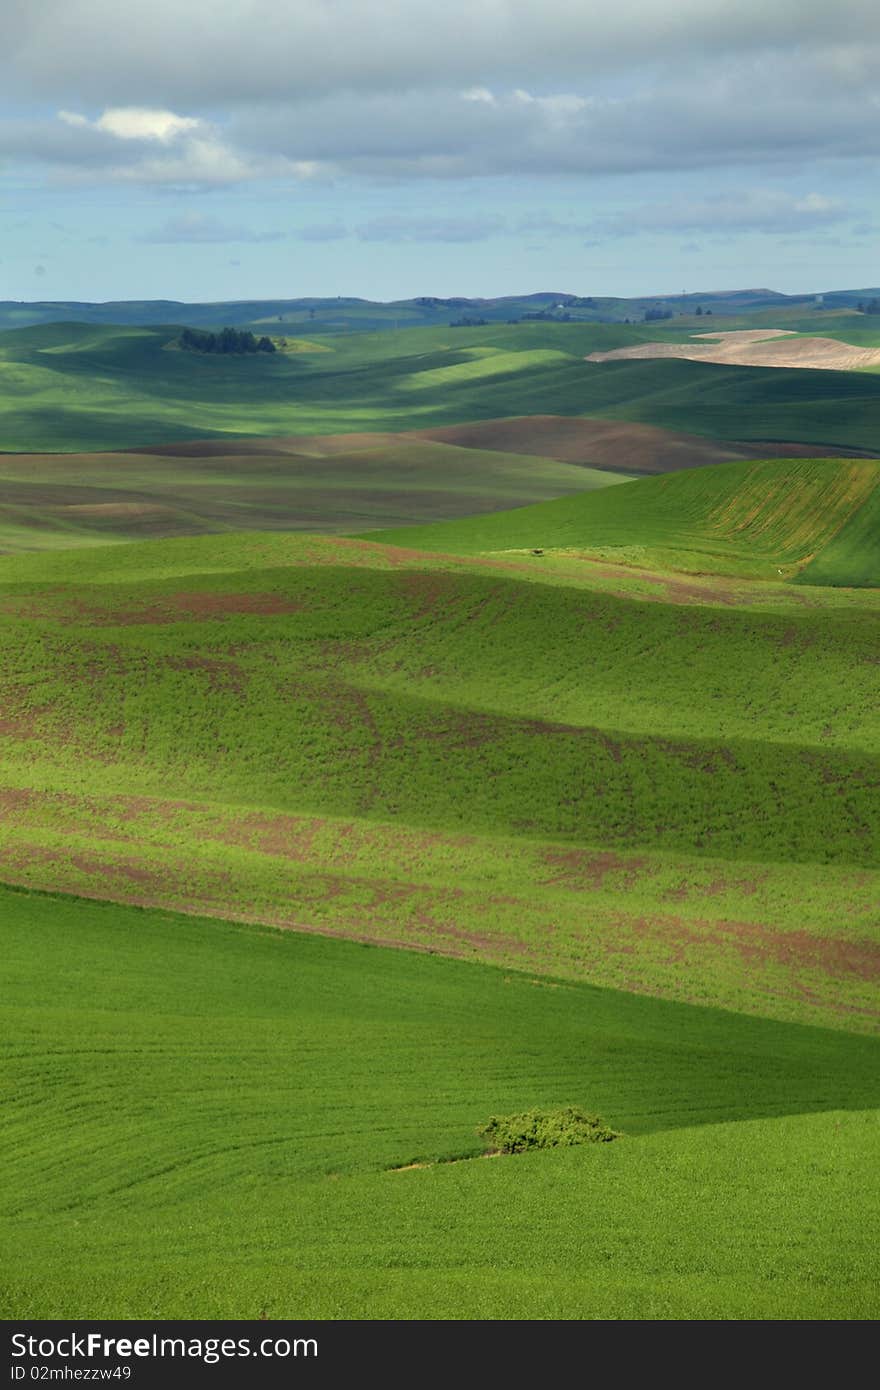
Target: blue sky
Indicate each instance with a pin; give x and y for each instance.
(257, 148)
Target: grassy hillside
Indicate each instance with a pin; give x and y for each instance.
(349, 313)
(173, 1150)
(614, 805)
(601, 774)
(53, 501)
(80, 388)
(759, 519)
(852, 556)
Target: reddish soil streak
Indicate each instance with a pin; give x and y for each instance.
(757, 944)
(178, 607)
(222, 676)
(580, 869)
(20, 726)
(425, 589)
(290, 837)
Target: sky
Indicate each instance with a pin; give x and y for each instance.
(237, 149)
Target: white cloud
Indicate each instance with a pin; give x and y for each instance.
(139, 145)
(199, 51)
(749, 210)
(136, 123)
(202, 229)
(321, 231)
(449, 229)
(407, 89)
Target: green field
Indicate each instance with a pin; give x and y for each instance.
(53, 501)
(319, 850)
(632, 776)
(202, 1120)
(816, 519)
(74, 388)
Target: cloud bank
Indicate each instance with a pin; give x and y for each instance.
(200, 94)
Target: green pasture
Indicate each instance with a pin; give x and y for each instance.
(586, 768)
(759, 520)
(852, 557)
(51, 501)
(613, 805)
(77, 388)
(202, 1117)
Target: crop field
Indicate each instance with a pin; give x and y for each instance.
(379, 755)
(205, 1119)
(761, 520)
(613, 774)
(54, 501)
(80, 388)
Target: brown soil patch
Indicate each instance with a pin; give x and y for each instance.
(410, 1167)
(92, 865)
(17, 799)
(291, 837)
(713, 590)
(442, 932)
(760, 945)
(746, 887)
(304, 445)
(97, 510)
(223, 676)
(426, 590)
(754, 348)
(16, 726)
(180, 607)
(616, 445)
(582, 870)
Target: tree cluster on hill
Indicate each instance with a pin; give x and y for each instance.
(543, 316)
(869, 306)
(466, 322)
(228, 340)
(430, 301)
(653, 315)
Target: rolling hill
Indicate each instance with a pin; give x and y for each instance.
(675, 759)
(347, 313)
(209, 1130)
(319, 850)
(332, 483)
(75, 388)
(759, 520)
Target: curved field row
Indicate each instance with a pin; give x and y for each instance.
(74, 388)
(761, 938)
(761, 519)
(853, 555)
(778, 347)
(55, 501)
(463, 702)
(208, 1129)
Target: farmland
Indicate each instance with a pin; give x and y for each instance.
(406, 733)
(760, 521)
(225, 1104)
(73, 500)
(75, 388)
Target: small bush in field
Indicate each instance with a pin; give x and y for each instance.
(535, 1129)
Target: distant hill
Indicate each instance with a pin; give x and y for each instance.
(77, 388)
(346, 313)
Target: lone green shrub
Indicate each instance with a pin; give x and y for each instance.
(535, 1129)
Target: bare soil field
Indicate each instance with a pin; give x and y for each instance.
(616, 445)
(755, 348)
